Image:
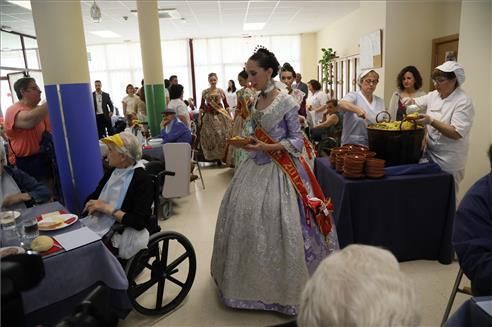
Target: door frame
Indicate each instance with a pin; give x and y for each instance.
(435, 43)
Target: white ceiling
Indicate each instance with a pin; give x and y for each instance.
(204, 19)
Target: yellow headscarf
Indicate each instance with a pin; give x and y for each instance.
(115, 140)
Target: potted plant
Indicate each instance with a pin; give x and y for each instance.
(327, 56)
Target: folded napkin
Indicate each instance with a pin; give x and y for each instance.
(55, 248)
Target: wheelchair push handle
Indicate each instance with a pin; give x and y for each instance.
(165, 173)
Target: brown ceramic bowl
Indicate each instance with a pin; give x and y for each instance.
(354, 157)
(375, 162)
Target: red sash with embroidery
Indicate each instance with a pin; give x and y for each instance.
(311, 152)
(319, 205)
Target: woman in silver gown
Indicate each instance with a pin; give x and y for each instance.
(267, 240)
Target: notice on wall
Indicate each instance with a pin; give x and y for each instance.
(371, 50)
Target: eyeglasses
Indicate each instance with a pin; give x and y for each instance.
(34, 88)
(371, 81)
(439, 80)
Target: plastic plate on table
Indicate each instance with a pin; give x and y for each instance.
(11, 250)
(56, 222)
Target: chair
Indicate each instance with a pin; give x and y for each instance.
(194, 160)
(150, 267)
(177, 159)
(456, 289)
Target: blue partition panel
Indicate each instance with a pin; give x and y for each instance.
(76, 141)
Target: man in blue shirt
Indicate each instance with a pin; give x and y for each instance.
(174, 130)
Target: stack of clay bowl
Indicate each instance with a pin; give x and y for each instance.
(333, 158)
(339, 161)
(355, 148)
(353, 166)
(374, 168)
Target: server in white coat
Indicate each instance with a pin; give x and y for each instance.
(360, 109)
(449, 117)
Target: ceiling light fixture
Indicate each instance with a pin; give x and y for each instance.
(96, 12)
(253, 26)
(23, 4)
(106, 34)
(164, 13)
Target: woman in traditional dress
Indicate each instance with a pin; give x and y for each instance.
(216, 122)
(269, 236)
(288, 76)
(242, 123)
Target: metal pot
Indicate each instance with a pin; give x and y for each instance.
(397, 147)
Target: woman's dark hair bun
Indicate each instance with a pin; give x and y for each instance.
(266, 59)
(287, 66)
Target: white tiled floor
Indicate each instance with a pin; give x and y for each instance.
(195, 216)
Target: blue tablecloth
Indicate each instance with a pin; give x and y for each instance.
(410, 215)
(70, 272)
(474, 312)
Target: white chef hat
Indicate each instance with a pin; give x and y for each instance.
(363, 74)
(453, 66)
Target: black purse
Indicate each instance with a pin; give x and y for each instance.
(46, 146)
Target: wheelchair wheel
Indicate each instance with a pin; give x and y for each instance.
(166, 209)
(169, 268)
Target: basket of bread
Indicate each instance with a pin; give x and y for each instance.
(238, 141)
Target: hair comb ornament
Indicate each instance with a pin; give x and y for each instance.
(258, 47)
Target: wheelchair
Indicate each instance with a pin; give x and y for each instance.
(167, 266)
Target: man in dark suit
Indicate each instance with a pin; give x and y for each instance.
(301, 86)
(104, 110)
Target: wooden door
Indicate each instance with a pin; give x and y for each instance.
(444, 49)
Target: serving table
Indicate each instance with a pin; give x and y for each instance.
(410, 215)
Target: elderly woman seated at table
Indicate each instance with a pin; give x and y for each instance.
(124, 196)
(19, 190)
(360, 285)
(173, 129)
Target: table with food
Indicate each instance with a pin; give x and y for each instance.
(385, 195)
(75, 260)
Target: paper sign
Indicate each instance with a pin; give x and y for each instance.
(77, 238)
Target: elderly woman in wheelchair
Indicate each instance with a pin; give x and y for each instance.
(123, 210)
(120, 208)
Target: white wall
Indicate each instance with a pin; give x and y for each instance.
(475, 54)
(344, 34)
(410, 28)
(309, 52)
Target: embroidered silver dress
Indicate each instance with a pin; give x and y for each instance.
(264, 251)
